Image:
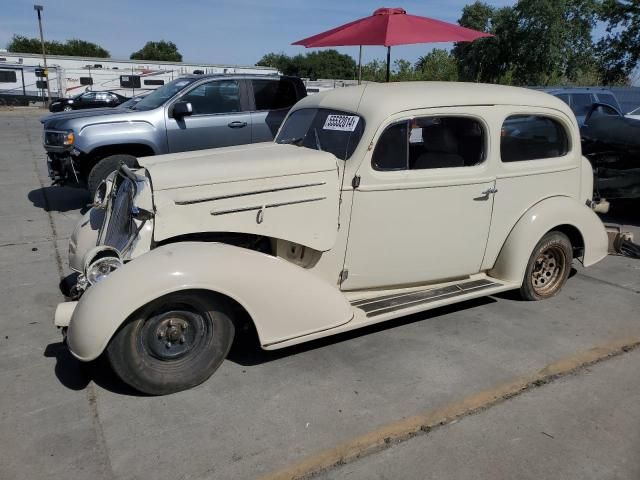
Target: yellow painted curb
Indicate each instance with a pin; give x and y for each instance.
(408, 427)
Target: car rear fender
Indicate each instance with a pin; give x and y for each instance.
(554, 213)
(283, 300)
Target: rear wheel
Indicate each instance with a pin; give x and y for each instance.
(173, 343)
(104, 167)
(548, 267)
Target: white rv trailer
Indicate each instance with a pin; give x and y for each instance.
(69, 76)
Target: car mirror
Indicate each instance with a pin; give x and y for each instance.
(182, 109)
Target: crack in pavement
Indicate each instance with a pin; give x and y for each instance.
(90, 390)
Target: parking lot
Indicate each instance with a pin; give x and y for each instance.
(319, 406)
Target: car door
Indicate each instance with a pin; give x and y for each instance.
(422, 209)
(87, 100)
(272, 99)
(220, 117)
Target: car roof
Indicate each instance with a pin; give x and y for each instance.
(575, 90)
(377, 101)
(207, 76)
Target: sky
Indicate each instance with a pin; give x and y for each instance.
(237, 32)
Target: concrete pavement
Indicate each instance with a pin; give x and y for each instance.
(261, 411)
(585, 426)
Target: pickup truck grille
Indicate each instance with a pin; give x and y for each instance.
(120, 227)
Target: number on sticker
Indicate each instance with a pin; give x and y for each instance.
(344, 123)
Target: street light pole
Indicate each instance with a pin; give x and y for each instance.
(39, 8)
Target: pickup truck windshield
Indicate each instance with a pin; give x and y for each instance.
(162, 94)
(332, 131)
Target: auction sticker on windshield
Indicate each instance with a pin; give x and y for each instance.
(344, 123)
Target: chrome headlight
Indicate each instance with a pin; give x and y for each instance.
(100, 262)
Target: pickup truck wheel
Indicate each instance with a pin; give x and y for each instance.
(173, 343)
(104, 167)
(548, 267)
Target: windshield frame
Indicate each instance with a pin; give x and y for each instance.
(157, 94)
(361, 127)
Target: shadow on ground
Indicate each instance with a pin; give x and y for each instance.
(246, 351)
(59, 199)
(623, 212)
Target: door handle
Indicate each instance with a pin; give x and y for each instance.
(237, 124)
(489, 191)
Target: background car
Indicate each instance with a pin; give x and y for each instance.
(88, 99)
(580, 99)
(634, 114)
(193, 112)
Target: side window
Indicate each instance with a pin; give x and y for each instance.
(274, 94)
(430, 142)
(532, 137)
(609, 100)
(220, 96)
(581, 103)
(88, 97)
(564, 97)
(391, 150)
(7, 76)
(445, 142)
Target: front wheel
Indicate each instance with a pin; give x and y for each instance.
(104, 167)
(173, 343)
(548, 267)
(67, 108)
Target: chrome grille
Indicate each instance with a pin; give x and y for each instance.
(121, 226)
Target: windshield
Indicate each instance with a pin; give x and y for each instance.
(162, 94)
(331, 131)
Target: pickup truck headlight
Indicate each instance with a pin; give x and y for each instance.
(68, 139)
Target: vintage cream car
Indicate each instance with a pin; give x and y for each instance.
(372, 203)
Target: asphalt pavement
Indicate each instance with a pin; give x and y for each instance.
(264, 411)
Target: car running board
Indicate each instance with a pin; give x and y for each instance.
(385, 304)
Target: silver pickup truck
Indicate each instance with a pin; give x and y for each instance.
(190, 113)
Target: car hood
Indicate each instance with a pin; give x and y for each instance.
(59, 120)
(266, 189)
(233, 164)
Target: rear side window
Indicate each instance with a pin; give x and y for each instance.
(608, 99)
(274, 94)
(532, 137)
(581, 103)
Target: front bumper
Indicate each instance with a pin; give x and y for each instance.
(62, 168)
(63, 314)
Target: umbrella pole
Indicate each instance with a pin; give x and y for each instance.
(360, 66)
(388, 64)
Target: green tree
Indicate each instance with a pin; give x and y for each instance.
(619, 50)
(80, 48)
(313, 65)
(536, 42)
(487, 59)
(374, 71)
(161, 51)
(280, 61)
(439, 65)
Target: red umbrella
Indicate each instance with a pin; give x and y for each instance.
(388, 27)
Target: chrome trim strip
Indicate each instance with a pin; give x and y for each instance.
(245, 194)
(461, 285)
(269, 205)
(380, 306)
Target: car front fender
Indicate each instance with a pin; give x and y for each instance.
(283, 300)
(547, 215)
